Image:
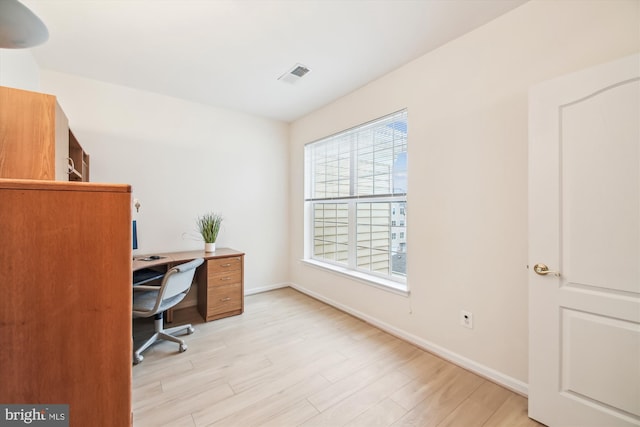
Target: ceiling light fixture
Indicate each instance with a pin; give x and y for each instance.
(294, 74)
(19, 27)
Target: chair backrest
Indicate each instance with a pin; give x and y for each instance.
(178, 279)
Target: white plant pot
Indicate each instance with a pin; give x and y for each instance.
(210, 247)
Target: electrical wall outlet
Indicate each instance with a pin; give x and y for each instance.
(466, 319)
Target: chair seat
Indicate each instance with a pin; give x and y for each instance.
(145, 301)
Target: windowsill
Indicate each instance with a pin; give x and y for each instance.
(380, 283)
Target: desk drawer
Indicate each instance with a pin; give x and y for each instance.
(219, 265)
(225, 298)
(224, 278)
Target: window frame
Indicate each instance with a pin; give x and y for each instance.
(395, 282)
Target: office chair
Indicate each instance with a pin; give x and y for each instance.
(155, 300)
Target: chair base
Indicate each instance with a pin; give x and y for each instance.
(163, 334)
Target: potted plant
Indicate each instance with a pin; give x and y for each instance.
(209, 227)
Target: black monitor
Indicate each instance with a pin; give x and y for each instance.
(134, 235)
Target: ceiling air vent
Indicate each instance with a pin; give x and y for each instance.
(294, 74)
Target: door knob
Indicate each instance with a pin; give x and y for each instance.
(543, 270)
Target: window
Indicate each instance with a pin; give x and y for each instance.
(355, 194)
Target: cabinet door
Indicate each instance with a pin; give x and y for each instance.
(34, 140)
(65, 310)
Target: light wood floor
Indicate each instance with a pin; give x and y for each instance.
(290, 360)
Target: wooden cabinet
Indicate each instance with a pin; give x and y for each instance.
(221, 285)
(65, 310)
(35, 142)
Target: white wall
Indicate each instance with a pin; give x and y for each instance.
(184, 159)
(19, 69)
(467, 211)
(467, 207)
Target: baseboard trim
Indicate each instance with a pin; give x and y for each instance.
(506, 381)
(252, 291)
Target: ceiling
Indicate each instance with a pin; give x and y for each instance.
(230, 53)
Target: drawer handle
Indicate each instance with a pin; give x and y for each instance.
(225, 265)
(225, 278)
(225, 299)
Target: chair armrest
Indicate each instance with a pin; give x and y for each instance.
(146, 288)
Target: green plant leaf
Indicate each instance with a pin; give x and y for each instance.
(209, 226)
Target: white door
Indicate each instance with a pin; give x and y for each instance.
(584, 223)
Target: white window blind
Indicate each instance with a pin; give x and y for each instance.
(356, 192)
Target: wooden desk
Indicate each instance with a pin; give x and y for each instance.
(220, 279)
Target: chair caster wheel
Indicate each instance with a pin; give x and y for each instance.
(183, 348)
(137, 359)
(190, 330)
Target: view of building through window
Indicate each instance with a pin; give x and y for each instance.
(356, 186)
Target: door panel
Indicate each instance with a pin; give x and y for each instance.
(589, 341)
(600, 187)
(584, 223)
